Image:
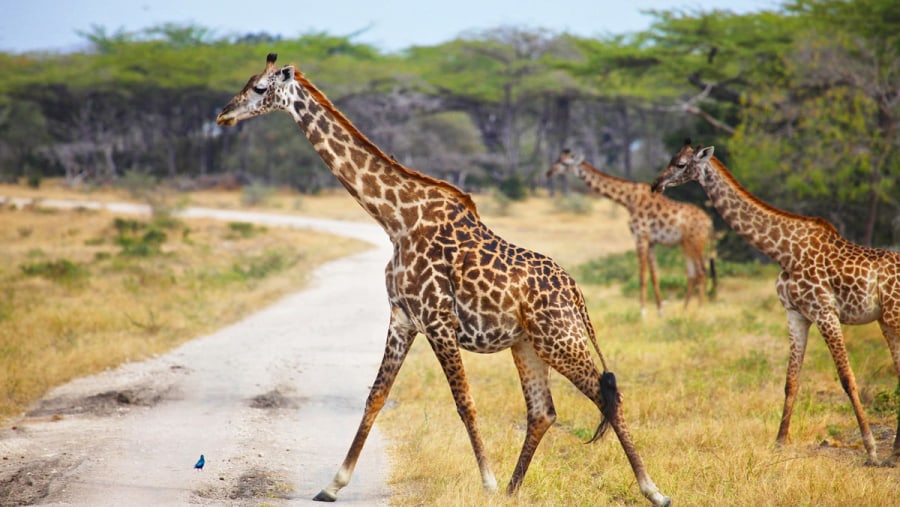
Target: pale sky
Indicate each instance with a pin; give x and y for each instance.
(390, 25)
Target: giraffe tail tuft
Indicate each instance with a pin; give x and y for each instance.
(610, 399)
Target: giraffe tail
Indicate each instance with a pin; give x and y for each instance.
(610, 400)
(713, 278)
(609, 390)
(586, 319)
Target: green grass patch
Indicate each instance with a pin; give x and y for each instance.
(62, 270)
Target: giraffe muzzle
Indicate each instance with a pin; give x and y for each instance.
(225, 121)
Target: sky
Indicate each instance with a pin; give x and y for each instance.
(389, 25)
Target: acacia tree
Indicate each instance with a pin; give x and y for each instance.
(827, 131)
(502, 79)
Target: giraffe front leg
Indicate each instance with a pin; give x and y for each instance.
(444, 344)
(798, 328)
(399, 340)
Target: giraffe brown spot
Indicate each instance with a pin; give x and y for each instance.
(339, 150)
(324, 125)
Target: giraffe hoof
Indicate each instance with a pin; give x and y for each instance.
(324, 496)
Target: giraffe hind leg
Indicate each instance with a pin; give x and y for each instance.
(891, 332)
(575, 363)
(534, 375)
(830, 328)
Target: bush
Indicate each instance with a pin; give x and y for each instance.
(514, 188)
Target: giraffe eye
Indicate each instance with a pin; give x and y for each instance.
(681, 165)
(259, 89)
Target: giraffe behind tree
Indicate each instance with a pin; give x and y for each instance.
(454, 281)
(825, 279)
(653, 219)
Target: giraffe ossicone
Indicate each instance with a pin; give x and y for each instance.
(825, 279)
(653, 220)
(454, 281)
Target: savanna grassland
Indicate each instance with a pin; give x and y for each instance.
(702, 387)
(84, 290)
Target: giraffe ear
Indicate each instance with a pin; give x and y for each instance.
(287, 73)
(704, 154)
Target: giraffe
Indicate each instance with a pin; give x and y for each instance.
(452, 280)
(825, 279)
(653, 219)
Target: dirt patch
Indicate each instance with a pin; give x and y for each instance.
(258, 483)
(255, 484)
(101, 404)
(849, 442)
(30, 483)
(275, 399)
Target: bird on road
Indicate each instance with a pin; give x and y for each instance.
(200, 462)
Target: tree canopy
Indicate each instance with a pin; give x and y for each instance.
(801, 103)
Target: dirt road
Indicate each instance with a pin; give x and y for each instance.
(272, 402)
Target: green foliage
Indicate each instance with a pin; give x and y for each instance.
(799, 101)
(62, 270)
(887, 403)
(138, 239)
(244, 229)
(513, 187)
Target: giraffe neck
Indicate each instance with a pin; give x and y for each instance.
(617, 189)
(397, 197)
(770, 230)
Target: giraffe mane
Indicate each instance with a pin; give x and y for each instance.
(821, 222)
(320, 97)
(591, 168)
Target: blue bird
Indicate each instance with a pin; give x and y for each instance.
(200, 462)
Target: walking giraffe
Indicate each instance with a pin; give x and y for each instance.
(825, 279)
(653, 219)
(453, 280)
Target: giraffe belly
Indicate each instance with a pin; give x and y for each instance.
(486, 334)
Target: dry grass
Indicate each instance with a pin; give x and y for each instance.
(86, 306)
(703, 388)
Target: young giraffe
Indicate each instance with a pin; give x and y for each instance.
(824, 278)
(453, 280)
(653, 219)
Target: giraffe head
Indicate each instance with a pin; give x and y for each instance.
(265, 92)
(567, 162)
(687, 165)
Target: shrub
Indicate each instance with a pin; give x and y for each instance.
(513, 187)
